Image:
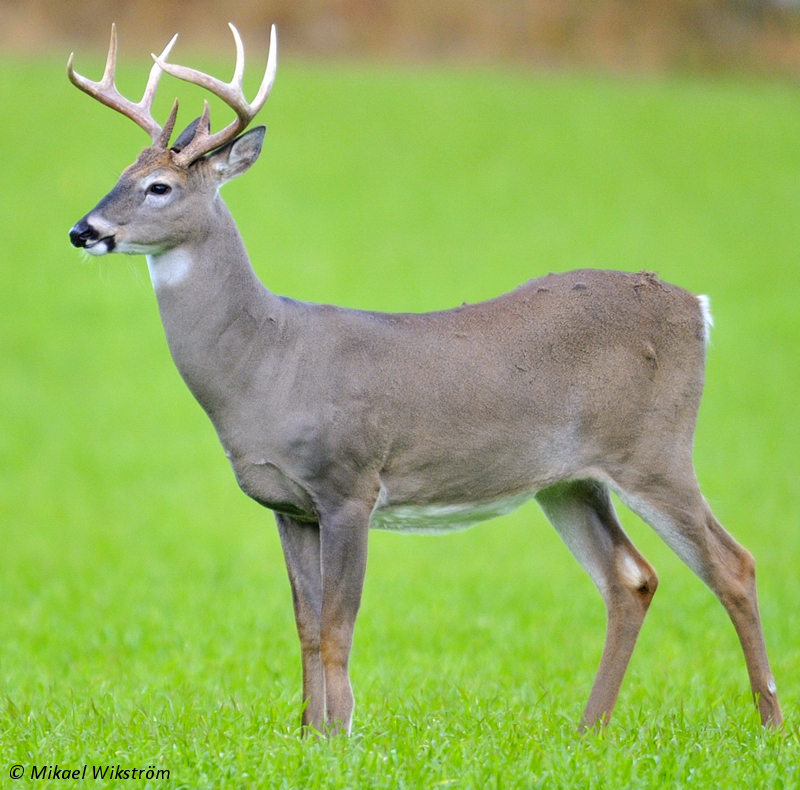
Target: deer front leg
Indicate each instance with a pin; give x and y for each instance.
(343, 541)
(301, 550)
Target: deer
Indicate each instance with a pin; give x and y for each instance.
(565, 390)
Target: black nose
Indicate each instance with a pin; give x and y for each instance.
(83, 232)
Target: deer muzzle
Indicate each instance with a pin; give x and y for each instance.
(85, 235)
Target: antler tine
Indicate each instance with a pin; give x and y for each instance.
(105, 91)
(155, 75)
(238, 72)
(111, 59)
(272, 68)
(231, 93)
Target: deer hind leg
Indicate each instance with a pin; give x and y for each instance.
(677, 511)
(583, 515)
(301, 550)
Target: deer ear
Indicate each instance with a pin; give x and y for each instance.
(237, 156)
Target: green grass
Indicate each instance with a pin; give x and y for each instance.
(145, 618)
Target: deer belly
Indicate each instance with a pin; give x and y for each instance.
(434, 519)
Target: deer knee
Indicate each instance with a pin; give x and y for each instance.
(747, 564)
(308, 629)
(309, 646)
(335, 646)
(637, 575)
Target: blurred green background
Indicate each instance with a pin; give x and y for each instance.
(144, 611)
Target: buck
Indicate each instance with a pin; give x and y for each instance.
(568, 388)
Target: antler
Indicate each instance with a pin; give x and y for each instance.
(231, 93)
(106, 92)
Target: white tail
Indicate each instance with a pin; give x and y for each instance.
(571, 386)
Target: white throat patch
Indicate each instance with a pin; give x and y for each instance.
(169, 268)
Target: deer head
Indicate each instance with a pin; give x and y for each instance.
(162, 197)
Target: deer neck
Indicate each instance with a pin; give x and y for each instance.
(217, 315)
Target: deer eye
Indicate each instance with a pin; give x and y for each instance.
(159, 189)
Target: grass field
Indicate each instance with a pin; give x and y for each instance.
(145, 617)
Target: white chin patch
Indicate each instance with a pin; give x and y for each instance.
(101, 247)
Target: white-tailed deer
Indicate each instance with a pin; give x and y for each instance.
(570, 387)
